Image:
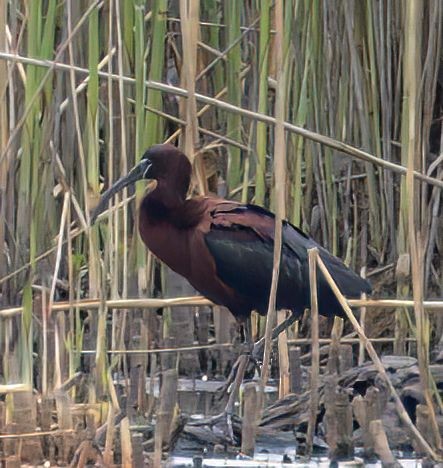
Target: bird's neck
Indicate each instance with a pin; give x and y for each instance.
(164, 200)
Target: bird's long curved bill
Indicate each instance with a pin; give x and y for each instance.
(135, 174)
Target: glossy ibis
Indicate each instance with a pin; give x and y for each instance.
(224, 248)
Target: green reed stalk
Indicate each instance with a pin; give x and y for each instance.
(234, 86)
(92, 174)
(301, 72)
(154, 123)
(263, 73)
(214, 13)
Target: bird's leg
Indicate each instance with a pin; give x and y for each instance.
(257, 351)
(223, 421)
(247, 344)
(229, 408)
(221, 424)
(246, 348)
(226, 415)
(256, 354)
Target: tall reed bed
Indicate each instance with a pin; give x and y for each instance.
(86, 87)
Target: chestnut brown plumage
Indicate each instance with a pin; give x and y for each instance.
(224, 248)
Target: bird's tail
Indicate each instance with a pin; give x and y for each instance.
(350, 284)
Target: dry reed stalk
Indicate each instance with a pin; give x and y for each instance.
(377, 363)
(82, 86)
(44, 313)
(124, 156)
(47, 313)
(189, 12)
(111, 260)
(315, 361)
(14, 388)
(108, 453)
(30, 435)
(200, 301)
(279, 169)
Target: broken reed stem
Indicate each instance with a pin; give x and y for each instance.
(108, 453)
(377, 363)
(313, 136)
(251, 409)
(315, 360)
(168, 400)
(284, 386)
(361, 348)
(381, 444)
(125, 442)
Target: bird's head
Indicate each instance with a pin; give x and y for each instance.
(158, 162)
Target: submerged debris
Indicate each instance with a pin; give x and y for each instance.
(357, 402)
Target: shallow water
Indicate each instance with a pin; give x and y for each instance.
(277, 451)
(272, 460)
